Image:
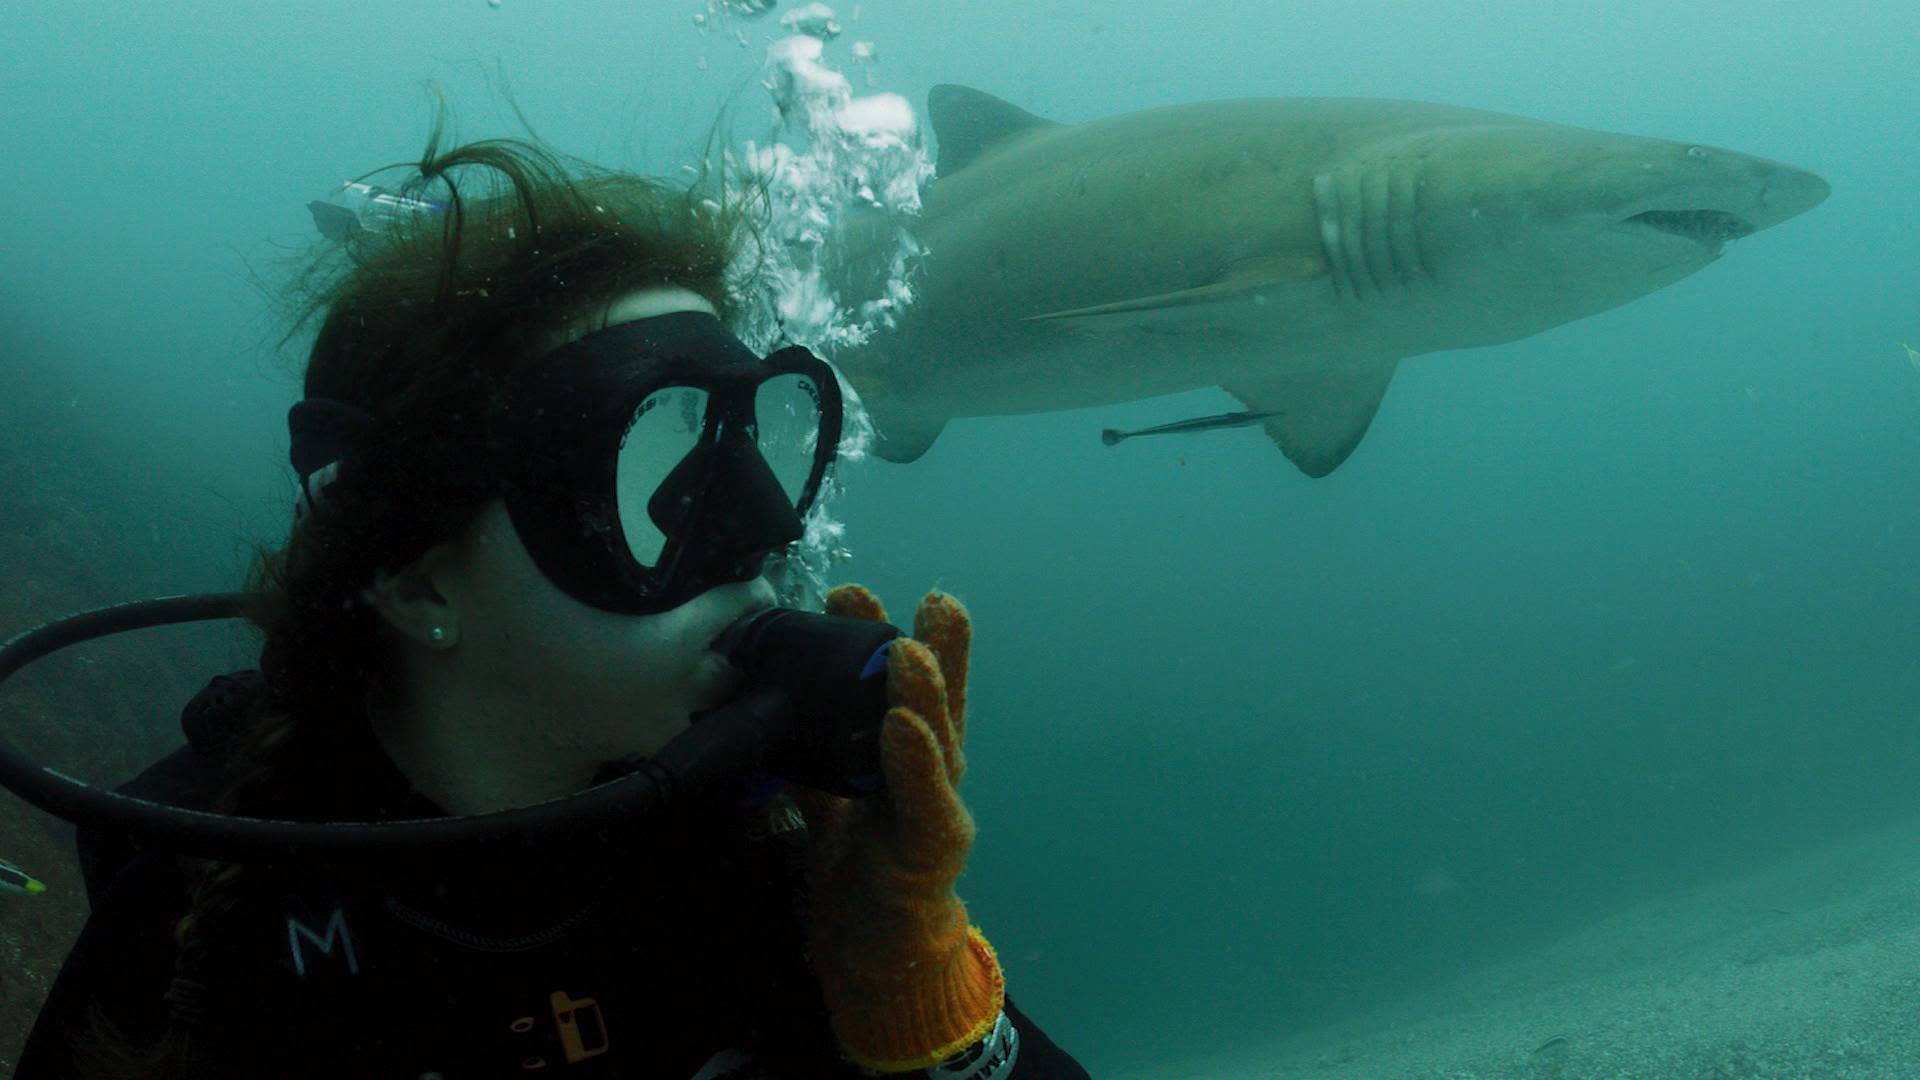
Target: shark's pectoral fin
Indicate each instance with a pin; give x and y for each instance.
(905, 415)
(1247, 281)
(1322, 415)
(902, 439)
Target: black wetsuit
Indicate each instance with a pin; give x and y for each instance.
(684, 959)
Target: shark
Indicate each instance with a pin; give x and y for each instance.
(1291, 251)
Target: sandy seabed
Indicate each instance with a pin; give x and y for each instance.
(1808, 969)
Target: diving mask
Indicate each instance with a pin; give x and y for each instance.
(650, 461)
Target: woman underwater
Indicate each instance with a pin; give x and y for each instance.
(539, 475)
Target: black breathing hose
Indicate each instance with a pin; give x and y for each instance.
(223, 836)
(813, 715)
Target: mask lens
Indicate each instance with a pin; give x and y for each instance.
(665, 428)
(786, 413)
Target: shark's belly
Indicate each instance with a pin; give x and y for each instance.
(1000, 367)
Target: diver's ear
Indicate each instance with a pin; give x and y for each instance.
(410, 603)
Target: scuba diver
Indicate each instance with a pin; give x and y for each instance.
(541, 486)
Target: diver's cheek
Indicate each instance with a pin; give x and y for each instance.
(712, 679)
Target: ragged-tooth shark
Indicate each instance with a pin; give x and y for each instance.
(1288, 250)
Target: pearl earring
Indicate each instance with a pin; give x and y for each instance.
(438, 634)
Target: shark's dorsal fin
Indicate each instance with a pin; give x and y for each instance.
(1244, 281)
(970, 122)
(1322, 415)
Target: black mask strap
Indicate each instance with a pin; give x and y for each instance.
(322, 432)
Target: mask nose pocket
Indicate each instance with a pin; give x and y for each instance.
(647, 462)
(725, 493)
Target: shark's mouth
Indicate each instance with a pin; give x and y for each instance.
(1709, 228)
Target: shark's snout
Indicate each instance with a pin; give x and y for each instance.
(1790, 192)
(1734, 196)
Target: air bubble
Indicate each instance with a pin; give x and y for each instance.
(815, 20)
(833, 261)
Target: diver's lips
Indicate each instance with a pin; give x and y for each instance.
(1708, 228)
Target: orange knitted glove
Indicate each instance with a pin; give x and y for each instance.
(907, 981)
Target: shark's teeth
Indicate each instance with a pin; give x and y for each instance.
(1711, 228)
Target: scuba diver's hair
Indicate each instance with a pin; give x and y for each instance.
(422, 324)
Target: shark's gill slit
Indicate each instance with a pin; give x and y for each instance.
(1407, 256)
(1353, 235)
(1379, 238)
(1326, 203)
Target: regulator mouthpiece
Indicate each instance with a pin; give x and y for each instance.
(832, 672)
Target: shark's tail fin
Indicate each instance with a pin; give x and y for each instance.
(1111, 436)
